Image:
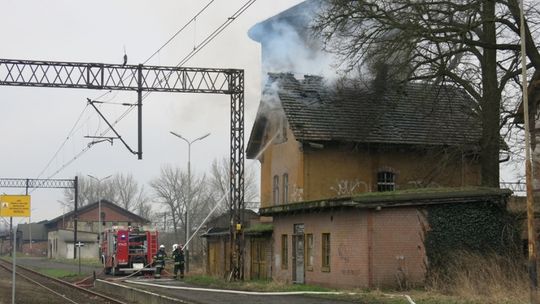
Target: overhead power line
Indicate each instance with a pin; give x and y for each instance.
(179, 31)
(196, 50)
(108, 92)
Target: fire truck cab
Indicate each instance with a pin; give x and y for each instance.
(126, 250)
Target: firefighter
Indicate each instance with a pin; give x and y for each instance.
(159, 260)
(178, 256)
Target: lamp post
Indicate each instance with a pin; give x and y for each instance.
(188, 203)
(99, 206)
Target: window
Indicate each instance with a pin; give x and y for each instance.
(285, 188)
(276, 190)
(284, 251)
(386, 181)
(284, 129)
(325, 252)
(309, 252)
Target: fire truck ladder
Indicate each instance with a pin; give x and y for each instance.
(140, 78)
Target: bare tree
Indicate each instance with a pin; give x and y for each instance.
(121, 189)
(167, 191)
(171, 191)
(219, 183)
(142, 206)
(472, 44)
(128, 194)
(90, 191)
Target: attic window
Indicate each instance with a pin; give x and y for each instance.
(285, 188)
(386, 181)
(276, 190)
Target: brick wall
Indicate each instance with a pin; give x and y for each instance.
(38, 249)
(319, 173)
(398, 248)
(389, 240)
(111, 215)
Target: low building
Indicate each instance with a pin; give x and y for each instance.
(5, 242)
(374, 240)
(61, 229)
(257, 244)
(32, 239)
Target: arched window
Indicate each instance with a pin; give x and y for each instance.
(285, 188)
(275, 191)
(386, 181)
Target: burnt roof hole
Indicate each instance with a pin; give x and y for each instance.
(311, 86)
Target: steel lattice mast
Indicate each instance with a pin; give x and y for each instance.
(141, 78)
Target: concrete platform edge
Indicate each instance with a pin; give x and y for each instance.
(135, 295)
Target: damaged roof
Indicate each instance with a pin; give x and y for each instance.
(412, 113)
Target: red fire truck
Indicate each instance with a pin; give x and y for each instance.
(126, 250)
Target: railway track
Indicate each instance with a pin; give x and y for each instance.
(64, 291)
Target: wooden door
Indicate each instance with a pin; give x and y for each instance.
(258, 259)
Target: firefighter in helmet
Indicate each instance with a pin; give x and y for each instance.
(159, 261)
(178, 256)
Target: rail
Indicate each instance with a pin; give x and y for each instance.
(97, 297)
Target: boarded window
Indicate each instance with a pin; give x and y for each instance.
(386, 181)
(284, 251)
(325, 246)
(285, 188)
(309, 252)
(276, 190)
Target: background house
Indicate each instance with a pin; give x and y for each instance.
(60, 229)
(32, 239)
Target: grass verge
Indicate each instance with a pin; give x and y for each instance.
(58, 273)
(483, 278)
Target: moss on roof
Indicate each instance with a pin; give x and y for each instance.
(411, 197)
(260, 228)
(423, 193)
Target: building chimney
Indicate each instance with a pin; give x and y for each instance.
(381, 77)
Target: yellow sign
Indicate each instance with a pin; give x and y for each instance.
(15, 205)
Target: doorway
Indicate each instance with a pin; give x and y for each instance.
(298, 254)
(258, 258)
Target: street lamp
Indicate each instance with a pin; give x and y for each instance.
(188, 203)
(99, 205)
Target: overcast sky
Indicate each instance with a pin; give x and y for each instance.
(36, 121)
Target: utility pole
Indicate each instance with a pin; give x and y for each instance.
(531, 231)
(99, 208)
(29, 219)
(188, 203)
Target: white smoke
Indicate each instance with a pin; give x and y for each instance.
(289, 46)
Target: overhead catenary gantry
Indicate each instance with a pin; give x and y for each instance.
(141, 78)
